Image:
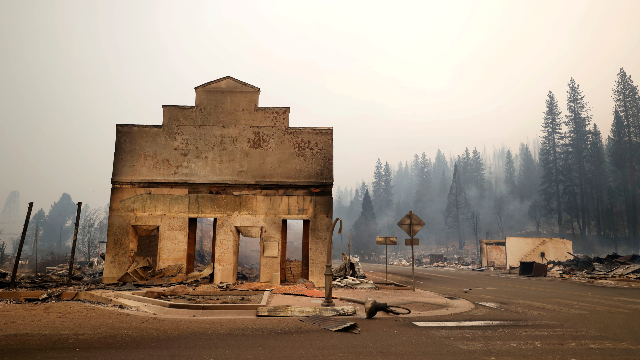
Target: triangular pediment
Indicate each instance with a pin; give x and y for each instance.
(227, 83)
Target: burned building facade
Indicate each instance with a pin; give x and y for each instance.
(228, 159)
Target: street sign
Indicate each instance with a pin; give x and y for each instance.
(386, 240)
(409, 242)
(411, 224)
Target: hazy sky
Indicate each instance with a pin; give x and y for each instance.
(391, 78)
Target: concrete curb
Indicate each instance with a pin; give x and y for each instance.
(168, 304)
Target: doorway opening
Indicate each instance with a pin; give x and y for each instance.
(147, 243)
(201, 246)
(248, 254)
(294, 257)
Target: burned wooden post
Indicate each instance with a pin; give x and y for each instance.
(12, 285)
(73, 244)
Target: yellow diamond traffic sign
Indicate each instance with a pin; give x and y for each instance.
(411, 224)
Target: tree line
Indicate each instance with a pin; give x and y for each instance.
(54, 229)
(569, 182)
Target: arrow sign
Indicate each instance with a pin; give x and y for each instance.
(411, 224)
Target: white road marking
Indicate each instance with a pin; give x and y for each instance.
(491, 305)
(465, 323)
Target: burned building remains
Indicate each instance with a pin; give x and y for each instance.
(228, 159)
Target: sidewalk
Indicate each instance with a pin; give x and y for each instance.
(421, 303)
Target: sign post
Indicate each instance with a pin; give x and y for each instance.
(411, 224)
(386, 241)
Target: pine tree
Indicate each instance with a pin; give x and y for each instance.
(528, 180)
(401, 182)
(475, 226)
(627, 102)
(464, 167)
(387, 189)
(577, 121)
(58, 226)
(456, 215)
(596, 176)
(423, 187)
(477, 172)
(569, 192)
(365, 229)
(415, 173)
(355, 206)
(509, 172)
(440, 165)
(550, 153)
(377, 185)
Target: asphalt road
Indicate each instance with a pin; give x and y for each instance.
(551, 319)
(576, 320)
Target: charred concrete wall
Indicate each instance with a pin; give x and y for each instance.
(224, 158)
(531, 249)
(493, 253)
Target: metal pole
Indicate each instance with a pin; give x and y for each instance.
(413, 274)
(12, 284)
(328, 274)
(386, 262)
(349, 255)
(73, 244)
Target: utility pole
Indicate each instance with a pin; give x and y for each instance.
(36, 250)
(12, 284)
(73, 245)
(349, 256)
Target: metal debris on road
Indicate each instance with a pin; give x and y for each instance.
(332, 323)
(532, 268)
(491, 305)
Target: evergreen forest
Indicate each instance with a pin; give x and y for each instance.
(572, 182)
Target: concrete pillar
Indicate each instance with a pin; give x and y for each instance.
(227, 246)
(271, 233)
(318, 238)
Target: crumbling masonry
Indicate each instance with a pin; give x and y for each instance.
(228, 159)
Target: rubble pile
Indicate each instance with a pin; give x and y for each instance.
(350, 267)
(611, 266)
(350, 274)
(247, 273)
(141, 272)
(57, 276)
